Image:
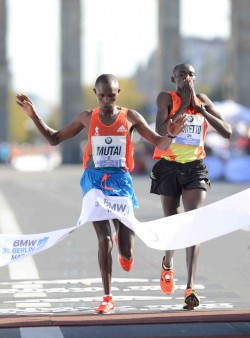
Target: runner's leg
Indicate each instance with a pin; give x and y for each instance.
(170, 206)
(126, 239)
(105, 244)
(192, 199)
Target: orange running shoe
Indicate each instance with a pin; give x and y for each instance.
(126, 264)
(106, 306)
(167, 282)
(191, 299)
(115, 239)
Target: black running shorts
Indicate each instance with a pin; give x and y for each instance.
(170, 178)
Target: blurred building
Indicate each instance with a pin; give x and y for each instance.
(209, 57)
(71, 91)
(3, 73)
(221, 66)
(239, 65)
(169, 41)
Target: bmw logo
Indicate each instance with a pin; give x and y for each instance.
(190, 118)
(108, 140)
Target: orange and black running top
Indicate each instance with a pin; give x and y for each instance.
(109, 146)
(188, 146)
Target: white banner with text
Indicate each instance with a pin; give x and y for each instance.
(168, 233)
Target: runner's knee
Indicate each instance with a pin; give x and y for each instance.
(105, 244)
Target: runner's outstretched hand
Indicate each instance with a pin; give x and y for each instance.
(174, 127)
(26, 104)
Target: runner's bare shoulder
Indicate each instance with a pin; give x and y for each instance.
(164, 98)
(85, 117)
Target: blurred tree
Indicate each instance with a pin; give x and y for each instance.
(129, 97)
(217, 93)
(21, 128)
(54, 119)
(17, 122)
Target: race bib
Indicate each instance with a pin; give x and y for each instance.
(109, 151)
(192, 135)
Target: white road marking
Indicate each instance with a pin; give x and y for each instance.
(30, 294)
(86, 299)
(41, 305)
(84, 281)
(25, 268)
(118, 309)
(33, 289)
(26, 286)
(35, 297)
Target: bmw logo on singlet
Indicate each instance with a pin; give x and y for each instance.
(108, 140)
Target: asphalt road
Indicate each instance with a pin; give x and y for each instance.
(66, 278)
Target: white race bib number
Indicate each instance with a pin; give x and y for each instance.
(109, 151)
(193, 134)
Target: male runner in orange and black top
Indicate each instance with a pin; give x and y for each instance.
(107, 168)
(180, 170)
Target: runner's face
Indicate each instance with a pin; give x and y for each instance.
(182, 74)
(107, 95)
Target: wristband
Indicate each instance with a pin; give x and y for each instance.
(170, 136)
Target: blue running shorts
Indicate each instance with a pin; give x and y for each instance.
(110, 183)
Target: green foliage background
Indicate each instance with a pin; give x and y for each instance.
(21, 129)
